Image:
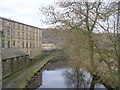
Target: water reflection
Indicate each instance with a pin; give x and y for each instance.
(78, 78)
(60, 76)
(53, 79)
(75, 78)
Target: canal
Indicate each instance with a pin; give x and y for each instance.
(59, 74)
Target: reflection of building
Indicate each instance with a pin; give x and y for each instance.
(18, 35)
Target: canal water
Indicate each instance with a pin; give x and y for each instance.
(61, 75)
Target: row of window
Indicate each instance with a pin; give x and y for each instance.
(3, 44)
(8, 33)
(31, 37)
(19, 26)
(18, 43)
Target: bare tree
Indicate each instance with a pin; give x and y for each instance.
(83, 23)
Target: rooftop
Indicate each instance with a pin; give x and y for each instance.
(12, 52)
(21, 23)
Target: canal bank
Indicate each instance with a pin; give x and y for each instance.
(18, 80)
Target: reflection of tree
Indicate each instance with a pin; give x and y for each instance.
(75, 78)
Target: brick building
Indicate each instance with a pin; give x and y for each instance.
(22, 36)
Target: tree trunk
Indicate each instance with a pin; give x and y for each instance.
(118, 37)
(91, 49)
(93, 83)
(119, 62)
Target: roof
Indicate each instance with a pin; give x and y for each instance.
(21, 23)
(12, 52)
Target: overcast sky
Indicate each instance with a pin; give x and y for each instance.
(25, 11)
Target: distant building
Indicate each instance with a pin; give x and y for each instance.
(51, 39)
(22, 36)
(48, 47)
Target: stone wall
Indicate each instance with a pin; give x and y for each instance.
(11, 65)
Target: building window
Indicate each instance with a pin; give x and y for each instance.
(38, 45)
(33, 45)
(36, 37)
(23, 44)
(2, 33)
(26, 44)
(26, 28)
(13, 34)
(30, 45)
(30, 36)
(3, 23)
(18, 44)
(39, 38)
(27, 36)
(33, 29)
(33, 37)
(8, 23)
(30, 29)
(23, 27)
(13, 24)
(8, 33)
(36, 30)
(18, 26)
(8, 44)
(22, 34)
(3, 44)
(13, 43)
(18, 34)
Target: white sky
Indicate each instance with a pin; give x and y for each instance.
(25, 11)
